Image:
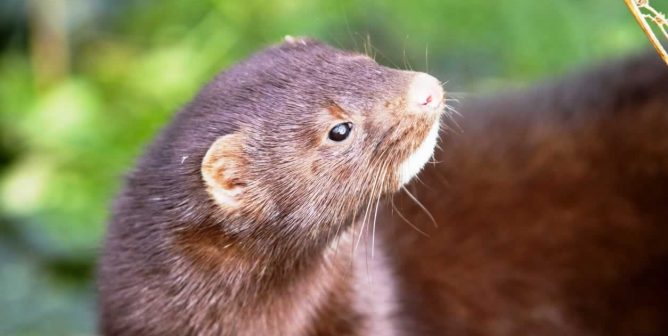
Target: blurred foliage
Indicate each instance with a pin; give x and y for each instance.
(86, 83)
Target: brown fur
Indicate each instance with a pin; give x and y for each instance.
(552, 207)
(281, 258)
(337, 112)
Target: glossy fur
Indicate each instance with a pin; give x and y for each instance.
(176, 262)
(552, 207)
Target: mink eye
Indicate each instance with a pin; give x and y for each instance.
(341, 131)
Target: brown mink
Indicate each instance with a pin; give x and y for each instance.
(552, 212)
(254, 211)
(242, 218)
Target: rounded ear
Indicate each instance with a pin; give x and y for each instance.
(223, 170)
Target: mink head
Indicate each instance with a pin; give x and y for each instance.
(303, 136)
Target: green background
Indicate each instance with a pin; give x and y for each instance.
(85, 84)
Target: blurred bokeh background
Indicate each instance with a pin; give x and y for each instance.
(84, 84)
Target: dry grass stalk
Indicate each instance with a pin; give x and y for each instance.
(646, 14)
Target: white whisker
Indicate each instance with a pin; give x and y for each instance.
(421, 206)
(406, 220)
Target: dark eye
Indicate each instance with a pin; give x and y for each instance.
(341, 131)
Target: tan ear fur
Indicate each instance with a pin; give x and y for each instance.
(223, 170)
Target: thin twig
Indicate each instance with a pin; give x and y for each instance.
(655, 17)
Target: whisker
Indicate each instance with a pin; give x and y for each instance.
(377, 51)
(376, 193)
(366, 213)
(406, 219)
(407, 63)
(426, 57)
(421, 206)
(452, 110)
(338, 228)
(373, 231)
(375, 214)
(456, 124)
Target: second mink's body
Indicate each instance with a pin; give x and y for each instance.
(552, 212)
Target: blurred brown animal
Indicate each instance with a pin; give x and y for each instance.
(552, 212)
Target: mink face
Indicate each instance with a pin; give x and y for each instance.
(316, 134)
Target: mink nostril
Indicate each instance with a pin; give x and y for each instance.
(425, 93)
(427, 101)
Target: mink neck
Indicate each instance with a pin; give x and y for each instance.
(268, 275)
(273, 251)
(288, 245)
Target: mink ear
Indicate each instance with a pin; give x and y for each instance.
(223, 170)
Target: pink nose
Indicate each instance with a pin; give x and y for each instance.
(425, 93)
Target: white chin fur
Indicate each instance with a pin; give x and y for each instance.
(413, 165)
